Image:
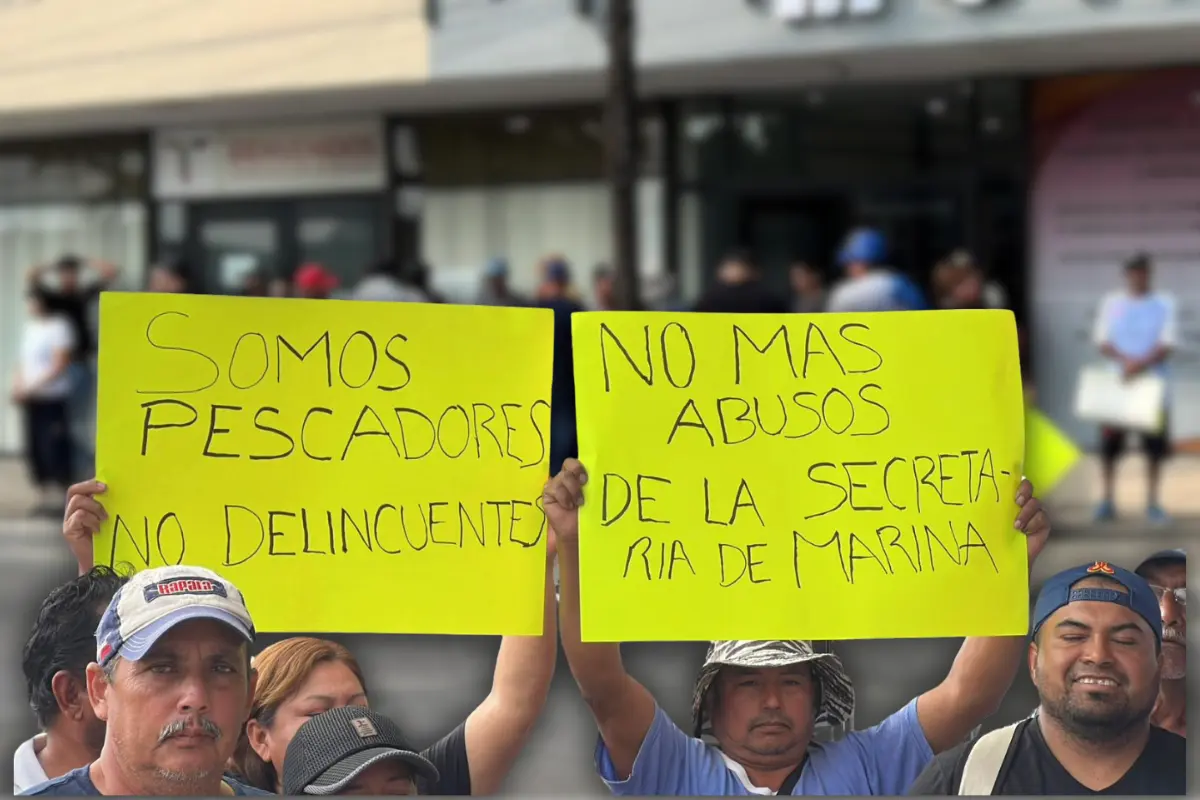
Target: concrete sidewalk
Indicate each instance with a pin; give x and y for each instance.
(1071, 502)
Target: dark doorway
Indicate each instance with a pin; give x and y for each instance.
(230, 242)
(784, 231)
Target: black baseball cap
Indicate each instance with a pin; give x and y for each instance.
(332, 749)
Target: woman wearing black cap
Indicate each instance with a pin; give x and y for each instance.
(354, 750)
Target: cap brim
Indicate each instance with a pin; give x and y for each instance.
(337, 777)
(137, 645)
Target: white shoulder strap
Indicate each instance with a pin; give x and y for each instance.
(985, 760)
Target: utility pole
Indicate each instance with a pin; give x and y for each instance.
(621, 150)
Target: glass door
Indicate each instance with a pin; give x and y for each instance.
(345, 236)
(240, 249)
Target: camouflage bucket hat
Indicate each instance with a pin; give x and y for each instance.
(835, 692)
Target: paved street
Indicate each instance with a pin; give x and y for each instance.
(431, 683)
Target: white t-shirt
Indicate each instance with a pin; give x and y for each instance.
(27, 770)
(44, 338)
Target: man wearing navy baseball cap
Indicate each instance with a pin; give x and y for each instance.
(172, 680)
(1095, 655)
(1166, 572)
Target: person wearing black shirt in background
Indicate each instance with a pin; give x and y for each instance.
(73, 298)
(555, 295)
(1095, 657)
(740, 289)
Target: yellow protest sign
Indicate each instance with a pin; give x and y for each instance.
(835, 476)
(352, 467)
(1049, 454)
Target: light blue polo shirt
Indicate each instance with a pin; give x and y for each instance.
(883, 760)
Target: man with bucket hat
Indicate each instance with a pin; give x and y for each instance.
(1166, 572)
(761, 700)
(173, 683)
(1095, 654)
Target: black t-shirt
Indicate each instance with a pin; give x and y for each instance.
(1031, 769)
(75, 306)
(562, 390)
(449, 755)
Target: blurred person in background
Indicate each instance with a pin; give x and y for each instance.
(279, 287)
(604, 287)
(386, 282)
(868, 284)
(314, 282)
(1095, 656)
(958, 282)
(556, 295)
(661, 293)
(496, 290)
(354, 751)
(42, 388)
(169, 277)
(73, 297)
(55, 659)
(1136, 329)
(740, 289)
(1166, 572)
(256, 284)
(172, 681)
(808, 288)
(550, 285)
(422, 278)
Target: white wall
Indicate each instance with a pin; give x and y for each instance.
(465, 227)
(39, 234)
(1122, 175)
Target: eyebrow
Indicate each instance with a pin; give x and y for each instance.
(328, 698)
(1077, 625)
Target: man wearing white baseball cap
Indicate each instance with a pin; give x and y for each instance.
(172, 680)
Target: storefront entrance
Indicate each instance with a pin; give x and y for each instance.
(231, 243)
(784, 231)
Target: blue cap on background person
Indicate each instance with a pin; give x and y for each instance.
(558, 271)
(1058, 591)
(1176, 556)
(496, 268)
(156, 600)
(863, 245)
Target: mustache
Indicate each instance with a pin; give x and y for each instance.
(1173, 634)
(207, 727)
(770, 718)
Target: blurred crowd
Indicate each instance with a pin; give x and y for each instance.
(1136, 330)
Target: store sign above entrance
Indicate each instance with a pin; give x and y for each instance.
(324, 157)
(798, 11)
(802, 11)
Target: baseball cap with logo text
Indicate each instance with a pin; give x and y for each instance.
(156, 600)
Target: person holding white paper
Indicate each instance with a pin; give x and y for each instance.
(1136, 329)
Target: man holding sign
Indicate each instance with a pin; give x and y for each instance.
(762, 699)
